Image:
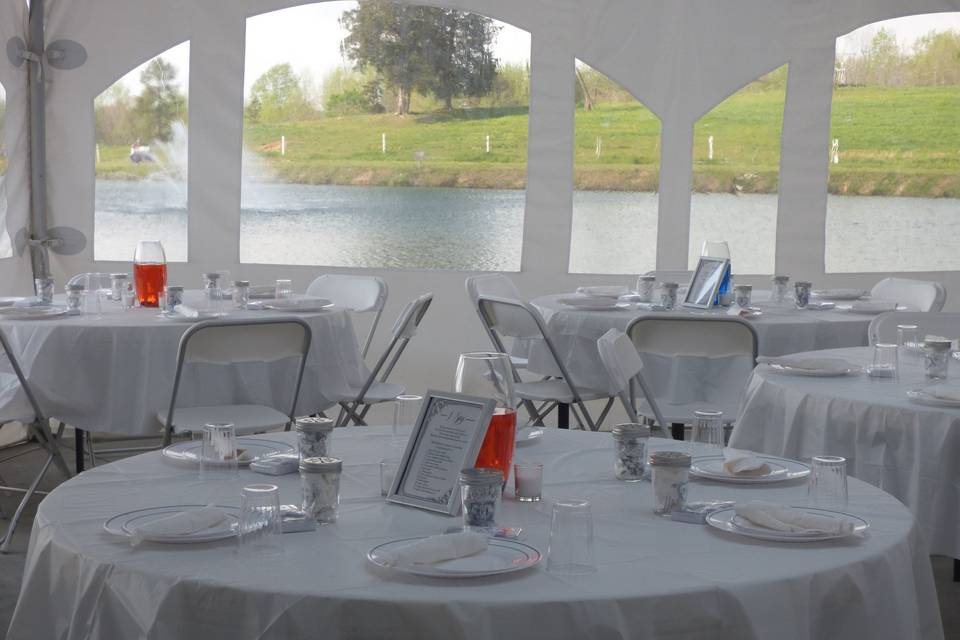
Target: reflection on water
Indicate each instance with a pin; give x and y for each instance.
(481, 229)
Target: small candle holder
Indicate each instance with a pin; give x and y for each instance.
(936, 358)
(668, 294)
(320, 480)
(528, 481)
(630, 451)
(801, 292)
(645, 286)
(480, 493)
(670, 473)
(313, 435)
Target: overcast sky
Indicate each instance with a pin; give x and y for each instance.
(308, 37)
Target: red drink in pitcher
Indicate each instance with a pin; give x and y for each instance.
(150, 279)
(496, 452)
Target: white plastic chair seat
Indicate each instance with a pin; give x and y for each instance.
(378, 392)
(555, 390)
(247, 418)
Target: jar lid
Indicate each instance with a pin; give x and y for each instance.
(745, 287)
(670, 459)
(669, 285)
(781, 278)
(803, 283)
(313, 424)
(213, 275)
(174, 288)
(76, 286)
(481, 476)
(321, 465)
(119, 276)
(938, 343)
(241, 283)
(630, 430)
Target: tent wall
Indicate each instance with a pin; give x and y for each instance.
(680, 58)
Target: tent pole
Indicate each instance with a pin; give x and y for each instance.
(38, 135)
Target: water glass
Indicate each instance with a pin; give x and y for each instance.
(668, 294)
(645, 285)
(44, 289)
(212, 296)
(528, 481)
(260, 523)
(218, 452)
(406, 408)
(284, 288)
(570, 548)
(801, 292)
(707, 436)
(241, 294)
(827, 487)
(908, 337)
(388, 472)
(936, 358)
(74, 299)
(886, 361)
(742, 295)
(780, 289)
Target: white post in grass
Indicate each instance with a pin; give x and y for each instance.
(488, 144)
(599, 148)
(835, 151)
(710, 148)
(383, 143)
(98, 153)
(283, 145)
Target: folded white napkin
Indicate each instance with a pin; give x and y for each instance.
(781, 518)
(184, 522)
(872, 306)
(738, 462)
(187, 311)
(437, 549)
(945, 392)
(808, 364)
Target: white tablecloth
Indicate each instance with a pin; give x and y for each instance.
(907, 449)
(656, 578)
(780, 330)
(114, 372)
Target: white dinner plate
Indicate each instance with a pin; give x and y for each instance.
(592, 304)
(300, 305)
(781, 469)
(32, 313)
(528, 435)
(923, 396)
(826, 368)
(123, 524)
(603, 291)
(727, 520)
(501, 556)
(840, 294)
(201, 316)
(188, 451)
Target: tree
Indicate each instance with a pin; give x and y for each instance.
(443, 51)
(277, 95)
(114, 117)
(160, 101)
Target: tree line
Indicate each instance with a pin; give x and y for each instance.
(934, 59)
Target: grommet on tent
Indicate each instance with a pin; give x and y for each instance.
(16, 47)
(65, 54)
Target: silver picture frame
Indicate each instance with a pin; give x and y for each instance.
(459, 422)
(705, 282)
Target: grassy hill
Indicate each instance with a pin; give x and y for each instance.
(893, 141)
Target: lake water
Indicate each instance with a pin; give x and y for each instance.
(481, 229)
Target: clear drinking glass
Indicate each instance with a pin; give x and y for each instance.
(827, 487)
(490, 375)
(284, 288)
(212, 295)
(218, 453)
(908, 337)
(149, 272)
(528, 481)
(570, 549)
(707, 436)
(406, 408)
(645, 286)
(388, 472)
(886, 361)
(260, 522)
(780, 289)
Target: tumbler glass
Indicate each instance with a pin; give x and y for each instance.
(218, 452)
(284, 288)
(707, 436)
(908, 337)
(570, 548)
(780, 291)
(260, 522)
(528, 481)
(388, 472)
(406, 408)
(827, 487)
(886, 361)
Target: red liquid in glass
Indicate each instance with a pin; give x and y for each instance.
(496, 452)
(150, 279)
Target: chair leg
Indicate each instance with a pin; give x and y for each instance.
(8, 536)
(603, 414)
(956, 570)
(563, 416)
(78, 455)
(90, 450)
(676, 430)
(536, 413)
(585, 415)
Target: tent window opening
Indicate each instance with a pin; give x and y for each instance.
(384, 135)
(141, 159)
(894, 177)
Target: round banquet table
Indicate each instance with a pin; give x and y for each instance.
(780, 330)
(114, 372)
(655, 577)
(909, 450)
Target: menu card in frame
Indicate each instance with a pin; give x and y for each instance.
(445, 439)
(706, 282)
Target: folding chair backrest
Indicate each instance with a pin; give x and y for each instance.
(226, 342)
(409, 319)
(692, 335)
(883, 328)
(18, 400)
(918, 295)
(356, 293)
(619, 357)
(511, 318)
(492, 285)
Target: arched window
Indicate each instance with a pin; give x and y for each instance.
(405, 151)
(141, 159)
(736, 167)
(894, 183)
(616, 165)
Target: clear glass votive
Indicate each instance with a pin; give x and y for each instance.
(314, 436)
(388, 472)
(801, 293)
(570, 547)
(260, 522)
(74, 299)
(670, 475)
(707, 435)
(645, 286)
(241, 294)
(742, 295)
(406, 408)
(780, 290)
(284, 288)
(668, 294)
(481, 490)
(320, 481)
(43, 287)
(886, 361)
(827, 487)
(936, 358)
(630, 451)
(528, 481)
(218, 452)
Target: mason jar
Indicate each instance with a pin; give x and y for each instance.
(320, 481)
(630, 451)
(742, 295)
(668, 294)
(801, 292)
(118, 284)
(481, 491)
(936, 358)
(313, 436)
(172, 296)
(241, 293)
(670, 475)
(44, 289)
(75, 299)
(645, 286)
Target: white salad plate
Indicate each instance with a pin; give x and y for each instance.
(254, 448)
(501, 556)
(604, 291)
(781, 469)
(728, 520)
(124, 524)
(32, 313)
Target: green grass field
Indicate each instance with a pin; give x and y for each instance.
(892, 142)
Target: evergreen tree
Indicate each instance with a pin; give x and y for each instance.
(160, 101)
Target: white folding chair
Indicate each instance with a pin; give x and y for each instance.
(495, 285)
(625, 366)
(664, 341)
(883, 328)
(518, 320)
(376, 389)
(917, 295)
(228, 342)
(359, 294)
(18, 403)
